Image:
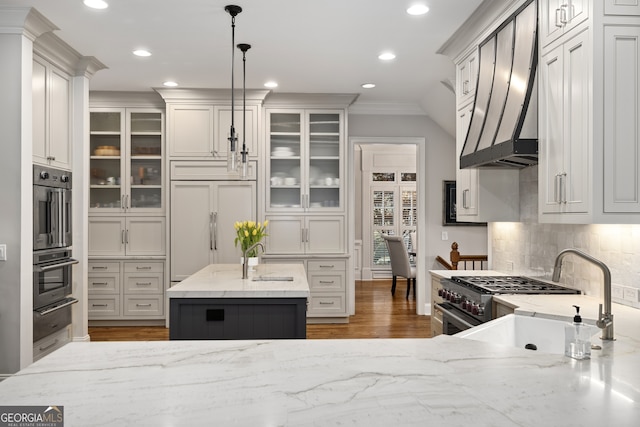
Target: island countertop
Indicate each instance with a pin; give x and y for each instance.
(225, 281)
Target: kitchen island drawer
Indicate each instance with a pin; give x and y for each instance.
(327, 305)
(107, 306)
(143, 305)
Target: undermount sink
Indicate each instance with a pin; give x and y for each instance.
(272, 279)
(544, 335)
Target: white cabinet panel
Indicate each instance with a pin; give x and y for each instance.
(285, 235)
(325, 235)
(223, 126)
(190, 131)
(145, 236)
(621, 119)
(52, 95)
(202, 218)
(466, 179)
(466, 79)
(557, 17)
(622, 7)
(106, 236)
(564, 171)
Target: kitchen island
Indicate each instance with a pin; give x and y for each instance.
(445, 381)
(217, 303)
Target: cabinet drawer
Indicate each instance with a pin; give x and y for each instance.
(53, 342)
(327, 305)
(104, 267)
(143, 267)
(328, 265)
(143, 305)
(107, 306)
(140, 283)
(326, 282)
(103, 284)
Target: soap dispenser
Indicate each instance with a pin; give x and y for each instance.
(577, 338)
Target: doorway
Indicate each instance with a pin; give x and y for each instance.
(400, 157)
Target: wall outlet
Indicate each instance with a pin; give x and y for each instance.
(445, 235)
(630, 294)
(509, 265)
(617, 292)
(3, 252)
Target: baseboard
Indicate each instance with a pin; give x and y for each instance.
(326, 320)
(85, 338)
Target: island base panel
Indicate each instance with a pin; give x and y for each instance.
(237, 318)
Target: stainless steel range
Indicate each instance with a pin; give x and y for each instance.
(467, 301)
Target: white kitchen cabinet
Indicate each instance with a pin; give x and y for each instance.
(190, 130)
(621, 119)
(436, 313)
(222, 116)
(304, 160)
(120, 236)
(466, 78)
(558, 17)
(202, 217)
(126, 161)
(124, 290)
(52, 115)
(299, 234)
(564, 171)
(622, 7)
(466, 179)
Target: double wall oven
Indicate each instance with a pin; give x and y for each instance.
(52, 257)
(467, 301)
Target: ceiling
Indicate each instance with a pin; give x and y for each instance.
(328, 46)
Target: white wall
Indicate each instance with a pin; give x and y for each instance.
(530, 248)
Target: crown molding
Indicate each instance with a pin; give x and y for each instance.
(387, 108)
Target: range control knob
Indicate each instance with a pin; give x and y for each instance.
(481, 309)
(457, 298)
(440, 292)
(475, 309)
(44, 175)
(64, 178)
(464, 304)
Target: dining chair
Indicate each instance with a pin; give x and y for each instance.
(400, 265)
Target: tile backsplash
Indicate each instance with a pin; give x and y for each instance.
(530, 248)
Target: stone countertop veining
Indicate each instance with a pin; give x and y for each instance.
(371, 382)
(225, 281)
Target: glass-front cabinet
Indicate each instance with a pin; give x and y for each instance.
(126, 166)
(305, 168)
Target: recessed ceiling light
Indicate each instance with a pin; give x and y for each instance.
(141, 52)
(418, 9)
(96, 4)
(170, 84)
(368, 85)
(271, 84)
(386, 56)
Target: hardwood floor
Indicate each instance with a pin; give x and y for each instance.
(378, 315)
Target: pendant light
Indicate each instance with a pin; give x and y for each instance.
(244, 172)
(232, 151)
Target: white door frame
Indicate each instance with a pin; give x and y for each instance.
(421, 187)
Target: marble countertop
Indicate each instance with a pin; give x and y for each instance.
(225, 281)
(379, 382)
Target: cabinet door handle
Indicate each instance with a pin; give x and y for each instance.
(142, 283)
(211, 231)
(98, 305)
(215, 231)
(556, 188)
(327, 282)
(122, 201)
(127, 201)
(122, 236)
(126, 237)
(143, 305)
(99, 283)
(564, 14)
(327, 266)
(563, 181)
(144, 267)
(465, 205)
(327, 303)
(98, 267)
(465, 87)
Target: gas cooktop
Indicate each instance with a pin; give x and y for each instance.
(512, 285)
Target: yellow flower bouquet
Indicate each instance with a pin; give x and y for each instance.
(249, 233)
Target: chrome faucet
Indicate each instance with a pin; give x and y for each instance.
(245, 262)
(605, 320)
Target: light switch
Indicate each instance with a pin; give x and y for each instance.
(445, 235)
(3, 252)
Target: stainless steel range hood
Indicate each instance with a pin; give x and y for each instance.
(503, 128)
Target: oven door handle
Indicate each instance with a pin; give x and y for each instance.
(454, 317)
(54, 266)
(67, 303)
